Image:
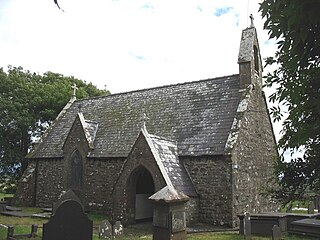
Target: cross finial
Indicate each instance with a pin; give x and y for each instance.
(144, 119)
(251, 18)
(75, 88)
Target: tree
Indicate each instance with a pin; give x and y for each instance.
(295, 24)
(29, 102)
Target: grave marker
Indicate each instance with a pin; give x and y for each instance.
(247, 226)
(169, 221)
(105, 230)
(69, 195)
(117, 229)
(317, 203)
(311, 208)
(276, 232)
(69, 222)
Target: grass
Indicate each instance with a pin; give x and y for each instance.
(132, 233)
(23, 226)
(3, 195)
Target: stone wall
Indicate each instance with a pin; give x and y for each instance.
(26, 187)
(101, 176)
(124, 192)
(50, 181)
(252, 157)
(212, 179)
(192, 210)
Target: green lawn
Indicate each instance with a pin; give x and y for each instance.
(2, 195)
(131, 234)
(23, 226)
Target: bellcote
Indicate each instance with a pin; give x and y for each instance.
(249, 59)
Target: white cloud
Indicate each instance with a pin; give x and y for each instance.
(125, 44)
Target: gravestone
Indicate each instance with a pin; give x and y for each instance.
(317, 203)
(69, 222)
(3, 207)
(169, 220)
(69, 195)
(247, 226)
(306, 227)
(117, 229)
(276, 232)
(311, 208)
(105, 230)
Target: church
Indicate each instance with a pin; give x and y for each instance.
(210, 139)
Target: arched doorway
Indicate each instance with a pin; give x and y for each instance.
(141, 186)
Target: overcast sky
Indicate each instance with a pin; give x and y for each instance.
(124, 45)
(127, 45)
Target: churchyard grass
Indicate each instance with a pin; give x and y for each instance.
(2, 195)
(23, 225)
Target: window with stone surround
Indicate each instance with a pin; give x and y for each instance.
(76, 170)
(256, 59)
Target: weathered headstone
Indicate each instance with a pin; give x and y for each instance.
(247, 226)
(69, 222)
(311, 208)
(105, 230)
(276, 232)
(169, 220)
(317, 203)
(3, 207)
(117, 229)
(306, 227)
(69, 195)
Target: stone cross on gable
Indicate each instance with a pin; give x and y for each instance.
(75, 88)
(251, 18)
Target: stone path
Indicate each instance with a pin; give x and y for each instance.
(15, 214)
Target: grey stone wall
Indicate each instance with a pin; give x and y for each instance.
(76, 140)
(100, 178)
(124, 190)
(50, 181)
(192, 210)
(212, 179)
(26, 187)
(252, 158)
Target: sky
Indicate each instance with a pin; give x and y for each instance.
(125, 45)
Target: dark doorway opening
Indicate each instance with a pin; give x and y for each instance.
(144, 189)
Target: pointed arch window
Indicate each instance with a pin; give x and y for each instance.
(256, 58)
(76, 170)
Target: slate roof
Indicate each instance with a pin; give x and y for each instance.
(89, 128)
(168, 160)
(197, 115)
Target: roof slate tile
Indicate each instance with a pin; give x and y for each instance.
(197, 115)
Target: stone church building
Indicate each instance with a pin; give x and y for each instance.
(211, 140)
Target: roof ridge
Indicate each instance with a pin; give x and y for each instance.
(158, 87)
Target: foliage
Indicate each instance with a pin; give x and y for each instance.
(7, 186)
(29, 102)
(296, 26)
